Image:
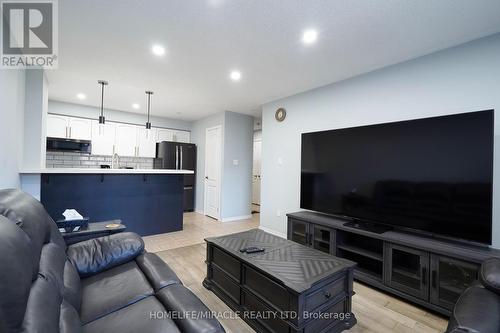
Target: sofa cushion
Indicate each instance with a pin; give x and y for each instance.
(138, 317)
(182, 303)
(28, 214)
(72, 286)
(476, 310)
(15, 277)
(112, 290)
(69, 319)
(96, 255)
(157, 272)
(489, 274)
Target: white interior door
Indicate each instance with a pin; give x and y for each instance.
(126, 140)
(57, 126)
(103, 138)
(79, 128)
(257, 153)
(213, 157)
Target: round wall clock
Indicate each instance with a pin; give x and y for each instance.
(280, 114)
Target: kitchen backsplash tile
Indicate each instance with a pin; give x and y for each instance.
(78, 160)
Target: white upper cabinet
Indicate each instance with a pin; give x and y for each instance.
(164, 135)
(68, 127)
(103, 138)
(182, 136)
(146, 142)
(57, 126)
(126, 140)
(80, 128)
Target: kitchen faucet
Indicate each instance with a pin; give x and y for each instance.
(115, 161)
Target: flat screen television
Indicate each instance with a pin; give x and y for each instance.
(433, 175)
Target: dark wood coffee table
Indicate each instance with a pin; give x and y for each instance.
(288, 288)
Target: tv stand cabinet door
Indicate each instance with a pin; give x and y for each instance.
(322, 238)
(300, 232)
(449, 278)
(407, 270)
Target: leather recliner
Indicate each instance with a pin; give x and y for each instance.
(478, 308)
(107, 284)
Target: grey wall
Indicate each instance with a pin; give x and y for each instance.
(78, 110)
(12, 89)
(236, 186)
(236, 180)
(462, 79)
(198, 132)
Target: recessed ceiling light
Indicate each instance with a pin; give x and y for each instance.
(158, 50)
(136, 106)
(235, 75)
(309, 36)
(81, 96)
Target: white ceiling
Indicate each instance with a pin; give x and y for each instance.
(206, 39)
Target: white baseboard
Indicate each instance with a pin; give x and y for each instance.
(199, 211)
(236, 218)
(272, 232)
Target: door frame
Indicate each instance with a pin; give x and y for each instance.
(219, 180)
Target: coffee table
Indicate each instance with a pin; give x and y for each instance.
(287, 288)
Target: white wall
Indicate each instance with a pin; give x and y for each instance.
(85, 111)
(236, 195)
(462, 79)
(12, 88)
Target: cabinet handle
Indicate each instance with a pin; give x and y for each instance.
(113, 149)
(137, 152)
(434, 279)
(70, 132)
(67, 132)
(327, 294)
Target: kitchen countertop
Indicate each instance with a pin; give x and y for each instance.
(105, 171)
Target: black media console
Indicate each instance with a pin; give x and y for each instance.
(427, 271)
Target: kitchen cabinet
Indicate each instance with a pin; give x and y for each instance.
(146, 142)
(68, 127)
(164, 135)
(181, 136)
(126, 140)
(79, 128)
(103, 138)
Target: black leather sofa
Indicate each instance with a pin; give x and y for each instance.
(107, 284)
(478, 308)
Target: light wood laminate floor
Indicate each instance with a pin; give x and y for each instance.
(185, 252)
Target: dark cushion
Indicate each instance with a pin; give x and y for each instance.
(136, 318)
(29, 214)
(112, 290)
(477, 310)
(181, 300)
(489, 274)
(15, 275)
(157, 272)
(72, 286)
(69, 319)
(96, 255)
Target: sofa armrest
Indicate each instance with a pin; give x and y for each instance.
(99, 254)
(489, 274)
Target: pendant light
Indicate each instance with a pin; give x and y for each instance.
(103, 83)
(148, 123)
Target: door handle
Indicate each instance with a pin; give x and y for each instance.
(206, 177)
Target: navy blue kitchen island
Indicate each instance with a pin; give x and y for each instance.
(147, 201)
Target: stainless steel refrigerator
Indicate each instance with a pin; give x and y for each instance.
(179, 156)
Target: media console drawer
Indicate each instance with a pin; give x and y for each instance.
(325, 294)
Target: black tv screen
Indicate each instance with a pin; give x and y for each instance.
(433, 175)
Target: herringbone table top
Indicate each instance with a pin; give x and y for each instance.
(296, 266)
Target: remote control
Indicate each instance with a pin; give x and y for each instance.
(254, 249)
